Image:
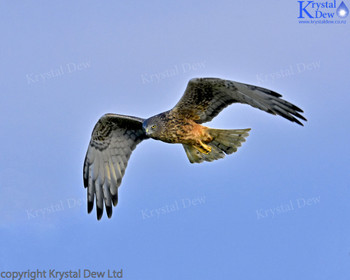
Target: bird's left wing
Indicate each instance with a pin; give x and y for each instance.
(205, 98)
(112, 141)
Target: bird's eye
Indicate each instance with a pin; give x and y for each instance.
(154, 126)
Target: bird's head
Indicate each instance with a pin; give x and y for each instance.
(152, 126)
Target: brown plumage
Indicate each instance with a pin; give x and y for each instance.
(115, 136)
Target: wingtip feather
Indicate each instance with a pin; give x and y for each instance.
(99, 212)
(90, 206)
(109, 211)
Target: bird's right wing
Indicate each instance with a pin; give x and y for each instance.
(112, 141)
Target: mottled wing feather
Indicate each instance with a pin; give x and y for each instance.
(205, 98)
(112, 141)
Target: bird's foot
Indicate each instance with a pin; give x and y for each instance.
(202, 148)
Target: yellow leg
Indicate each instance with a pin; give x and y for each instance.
(203, 148)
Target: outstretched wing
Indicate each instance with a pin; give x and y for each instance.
(112, 141)
(205, 98)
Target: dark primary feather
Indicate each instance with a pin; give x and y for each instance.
(112, 141)
(205, 98)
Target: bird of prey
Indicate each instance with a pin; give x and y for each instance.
(114, 137)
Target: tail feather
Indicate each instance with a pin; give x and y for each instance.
(224, 142)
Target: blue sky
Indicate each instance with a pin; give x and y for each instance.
(277, 209)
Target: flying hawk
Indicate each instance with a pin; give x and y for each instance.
(114, 137)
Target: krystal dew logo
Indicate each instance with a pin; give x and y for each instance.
(327, 12)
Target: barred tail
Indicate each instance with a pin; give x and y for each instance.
(224, 142)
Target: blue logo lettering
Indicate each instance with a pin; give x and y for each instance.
(303, 9)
